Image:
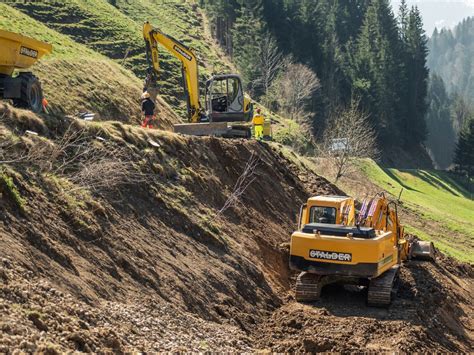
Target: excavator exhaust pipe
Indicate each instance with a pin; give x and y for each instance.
(422, 250)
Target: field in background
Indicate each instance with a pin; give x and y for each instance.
(441, 208)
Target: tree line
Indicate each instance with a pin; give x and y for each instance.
(358, 50)
(451, 89)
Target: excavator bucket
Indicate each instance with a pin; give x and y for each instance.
(422, 250)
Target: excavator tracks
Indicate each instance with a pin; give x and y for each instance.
(381, 288)
(308, 288)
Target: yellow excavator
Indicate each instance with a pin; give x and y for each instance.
(334, 244)
(21, 52)
(227, 110)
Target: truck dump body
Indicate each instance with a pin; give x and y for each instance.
(20, 52)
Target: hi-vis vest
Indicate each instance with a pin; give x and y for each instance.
(258, 119)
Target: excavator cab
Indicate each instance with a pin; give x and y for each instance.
(328, 210)
(225, 99)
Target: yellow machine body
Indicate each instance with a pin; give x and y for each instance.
(20, 52)
(328, 242)
(335, 255)
(225, 101)
(334, 244)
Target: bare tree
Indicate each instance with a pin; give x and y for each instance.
(270, 63)
(243, 182)
(347, 137)
(295, 87)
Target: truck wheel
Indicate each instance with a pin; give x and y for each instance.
(31, 93)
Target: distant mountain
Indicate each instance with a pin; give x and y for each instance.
(440, 13)
(451, 55)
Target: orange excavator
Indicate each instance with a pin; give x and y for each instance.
(334, 244)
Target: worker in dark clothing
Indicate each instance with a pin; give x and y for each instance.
(148, 109)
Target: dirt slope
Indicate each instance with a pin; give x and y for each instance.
(433, 312)
(150, 265)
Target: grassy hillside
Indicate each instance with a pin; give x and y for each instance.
(77, 78)
(94, 23)
(441, 208)
(117, 33)
(433, 205)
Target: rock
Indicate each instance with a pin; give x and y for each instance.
(35, 318)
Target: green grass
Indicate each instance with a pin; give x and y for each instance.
(63, 46)
(76, 78)
(441, 204)
(8, 187)
(94, 23)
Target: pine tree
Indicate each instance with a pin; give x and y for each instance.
(222, 14)
(377, 70)
(416, 52)
(464, 155)
(403, 17)
(246, 35)
(441, 136)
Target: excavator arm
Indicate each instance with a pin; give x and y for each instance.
(188, 59)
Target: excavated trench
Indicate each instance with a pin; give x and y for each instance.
(152, 266)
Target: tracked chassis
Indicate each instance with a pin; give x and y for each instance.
(380, 289)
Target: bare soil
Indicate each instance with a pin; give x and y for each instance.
(152, 266)
(433, 312)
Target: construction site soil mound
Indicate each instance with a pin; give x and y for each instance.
(157, 262)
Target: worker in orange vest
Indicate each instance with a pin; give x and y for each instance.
(258, 121)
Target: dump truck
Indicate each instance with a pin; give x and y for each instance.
(17, 54)
(334, 244)
(226, 112)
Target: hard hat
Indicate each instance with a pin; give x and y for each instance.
(145, 95)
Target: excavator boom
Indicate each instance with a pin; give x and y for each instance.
(153, 37)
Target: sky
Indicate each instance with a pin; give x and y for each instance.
(440, 13)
